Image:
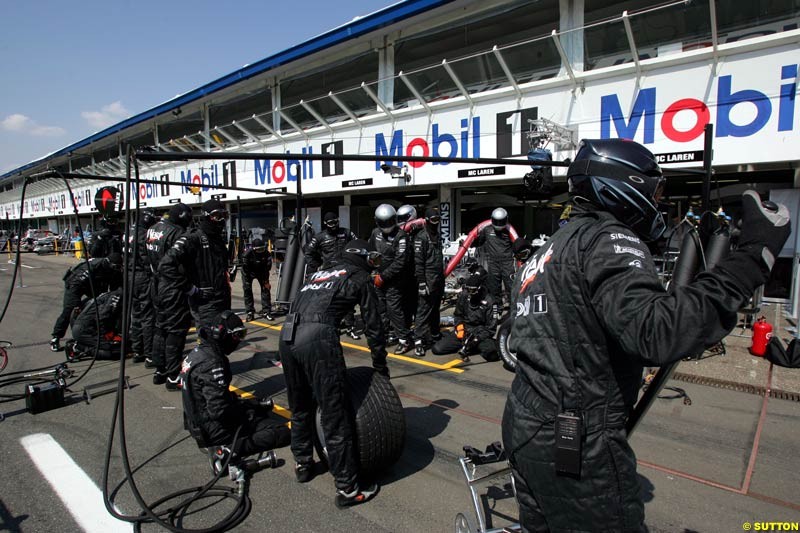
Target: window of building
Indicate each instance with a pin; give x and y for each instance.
(311, 86)
(240, 107)
(185, 123)
(657, 32)
(467, 45)
(748, 19)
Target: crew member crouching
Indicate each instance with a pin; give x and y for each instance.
(212, 413)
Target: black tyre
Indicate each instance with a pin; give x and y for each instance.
(503, 338)
(379, 420)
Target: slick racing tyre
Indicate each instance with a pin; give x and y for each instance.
(380, 424)
(503, 338)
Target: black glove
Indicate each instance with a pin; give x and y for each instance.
(764, 230)
(423, 289)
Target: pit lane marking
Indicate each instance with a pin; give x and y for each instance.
(277, 409)
(75, 489)
(10, 262)
(413, 360)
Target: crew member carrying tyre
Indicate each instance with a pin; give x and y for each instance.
(87, 278)
(172, 307)
(495, 240)
(315, 371)
(590, 312)
(396, 274)
(429, 263)
(143, 314)
(213, 413)
(256, 264)
(197, 267)
(475, 323)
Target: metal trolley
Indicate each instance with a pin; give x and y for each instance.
(480, 468)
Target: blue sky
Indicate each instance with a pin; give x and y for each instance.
(70, 69)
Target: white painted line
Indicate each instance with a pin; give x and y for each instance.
(10, 262)
(77, 491)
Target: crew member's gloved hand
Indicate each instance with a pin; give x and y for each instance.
(764, 231)
(378, 281)
(193, 291)
(423, 289)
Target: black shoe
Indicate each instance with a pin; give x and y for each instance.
(159, 378)
(138, 358)
(390, 340)
(355, 496)
(402, 347)
(353, 335)
(55, 344)
(304, 472)
(149, 363)
(249, 317)
(419, 350)
(173, 384)
(268, 316)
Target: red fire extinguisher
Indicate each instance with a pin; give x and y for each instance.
(762, 332)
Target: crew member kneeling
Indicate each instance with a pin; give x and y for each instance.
(314, 368)
(475, 323)
(212, 413)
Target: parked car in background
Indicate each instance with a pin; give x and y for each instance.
(47, 245)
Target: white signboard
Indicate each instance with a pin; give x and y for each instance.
(750, 100)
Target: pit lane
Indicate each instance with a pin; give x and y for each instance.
(694, 460)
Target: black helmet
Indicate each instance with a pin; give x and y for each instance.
(499, 218)
(147, 217)
(180, 214)
(406, 213)
(226, 330)
(623, 178)
(386, 218)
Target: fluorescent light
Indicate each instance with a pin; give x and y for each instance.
(417, 195)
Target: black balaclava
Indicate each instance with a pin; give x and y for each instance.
(327, 221)
(210, 224)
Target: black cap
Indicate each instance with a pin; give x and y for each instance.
(257, 243)
(432, 212)
(330, 216)
(212, 205)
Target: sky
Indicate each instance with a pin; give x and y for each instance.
(70, 69)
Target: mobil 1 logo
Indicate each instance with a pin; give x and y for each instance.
(511, 129)
(333, 168)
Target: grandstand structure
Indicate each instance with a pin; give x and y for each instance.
(469, 78)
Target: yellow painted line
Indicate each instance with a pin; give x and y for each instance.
(277, 409)
(413, 360)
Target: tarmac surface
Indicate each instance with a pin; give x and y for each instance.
(729, 458)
